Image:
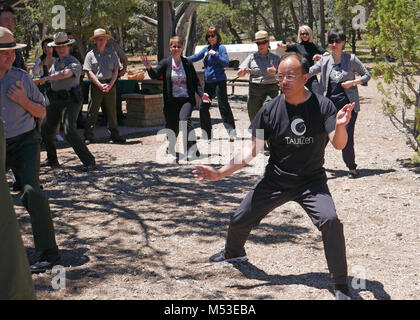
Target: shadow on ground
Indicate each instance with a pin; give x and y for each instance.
(316, 280)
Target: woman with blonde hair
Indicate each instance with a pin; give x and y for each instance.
(311, 51)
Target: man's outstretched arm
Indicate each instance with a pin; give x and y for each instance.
(339, 137)
(239, 161)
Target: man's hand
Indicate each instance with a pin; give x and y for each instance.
(17, 93)
(282, 45)
(272, 69)
(206, 98)
(146, 62)
(348, 84)
(344, 115)
(206, 173)
(316, 57)
(39, 81)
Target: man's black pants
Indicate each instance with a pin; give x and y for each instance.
(314, 198)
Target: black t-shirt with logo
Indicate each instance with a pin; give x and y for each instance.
(297, 137)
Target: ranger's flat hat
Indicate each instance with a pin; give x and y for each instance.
(261, 36)
(7, 40)
(100, 33)
(61, 39)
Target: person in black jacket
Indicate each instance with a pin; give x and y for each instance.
(180, 83)
(311, 51)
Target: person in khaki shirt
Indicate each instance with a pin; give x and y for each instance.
(102, 67)
(21, 104)
(65, 96)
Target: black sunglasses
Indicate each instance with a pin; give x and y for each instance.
(304, 34)
(176, 47)
(261, 43)
(210, 36)
(331, 41)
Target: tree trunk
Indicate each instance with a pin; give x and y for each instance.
(191, 38)
(120, 36)
(310, 14)
(276, 20)
(322, 23)
(294, 17)
(234, 32)
(353, 41)
(179, 30)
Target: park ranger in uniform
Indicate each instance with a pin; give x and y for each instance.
(21, 104)
(15, 278)
(65, 97)
(102, 66)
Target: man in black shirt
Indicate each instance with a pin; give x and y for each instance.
(298, 124)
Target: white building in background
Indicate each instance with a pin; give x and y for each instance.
(240, 51)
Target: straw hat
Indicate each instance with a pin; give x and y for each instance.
(100, 33)
(261, 36)
(61, 39)
(7, 40)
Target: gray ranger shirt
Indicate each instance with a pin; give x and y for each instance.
(70, 63)
(259, 65)
(102, 64)
(16, 119)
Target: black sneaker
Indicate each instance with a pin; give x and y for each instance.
(47, 260)
(119, 140)
(49, 163)
(353, 174)
(221, 257)
(89, 167)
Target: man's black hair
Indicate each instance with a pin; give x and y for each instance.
(304, 63)
(336, 33)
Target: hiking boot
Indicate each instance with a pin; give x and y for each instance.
(47, 260)
(221, 257)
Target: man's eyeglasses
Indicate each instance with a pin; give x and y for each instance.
(331, 41)
(304, 34)
(210, 36)
(288, 77)
(176, 47)
(261, 43)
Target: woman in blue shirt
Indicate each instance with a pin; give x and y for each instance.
(215, 59)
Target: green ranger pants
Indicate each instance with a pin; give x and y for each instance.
(67, 111)
(15, 277)
(22, 155)
(107, 100)
(258, 95)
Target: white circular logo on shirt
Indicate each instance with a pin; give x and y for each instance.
(298, 127)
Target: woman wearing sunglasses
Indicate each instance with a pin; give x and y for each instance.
(180, 83)
(339, 83)
(311, 51)
(215, 59)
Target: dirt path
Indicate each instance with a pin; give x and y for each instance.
(140, 229)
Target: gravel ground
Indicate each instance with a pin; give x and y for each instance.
(142, 228)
